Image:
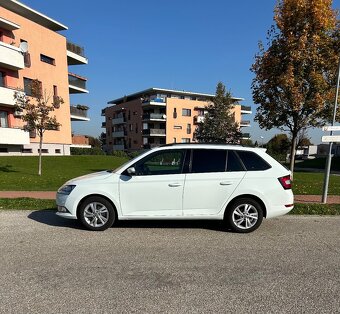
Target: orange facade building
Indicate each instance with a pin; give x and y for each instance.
(31, 47)
(155, 117)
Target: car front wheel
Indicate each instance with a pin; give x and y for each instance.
(244, 215)
(96, 213)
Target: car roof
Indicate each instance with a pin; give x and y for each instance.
(208, 146)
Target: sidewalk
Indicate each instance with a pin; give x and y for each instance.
(47, 195)
(50, 195)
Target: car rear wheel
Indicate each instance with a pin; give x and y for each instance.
(96, 213)
(244, 215)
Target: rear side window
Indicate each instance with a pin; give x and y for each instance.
(234, 163)
(208, 160)
(252, 161)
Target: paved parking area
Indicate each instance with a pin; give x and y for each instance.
(50, 265)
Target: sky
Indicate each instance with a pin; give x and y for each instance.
(179, 44)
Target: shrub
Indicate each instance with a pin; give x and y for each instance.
(86, 151)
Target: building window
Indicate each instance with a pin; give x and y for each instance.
(28, 87)
(47, 59)
(3, 150)
(175, 113)
(175, 141)
(57, 151)
(186, 112)
(3, 119)
(189, 128)
(185, 140)
(55, 90)
(44, 151)
(2, 79)
(177, 127)
(27, 151)
(131, 127)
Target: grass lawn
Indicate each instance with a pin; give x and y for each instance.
(21, 173)
(312, 183)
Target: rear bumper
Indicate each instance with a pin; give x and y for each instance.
(276, 211)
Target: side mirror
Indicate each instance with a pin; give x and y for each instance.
(131, 171)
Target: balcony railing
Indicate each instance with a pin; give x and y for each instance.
(149, 146)
(118, 147)
(103, 124)
(120, 120)
(11, 57)
(119, 134)
(76, 81)
(245, 108)
(78, 112)
(245, 135)
(154, 132)
(245, 123)
(75, 48)
(154, 102)
(14, 136)
(154, 116)
(103, 112)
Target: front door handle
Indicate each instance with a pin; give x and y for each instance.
(226, 183)
(173, 185)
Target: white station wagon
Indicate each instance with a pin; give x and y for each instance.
(239, 185)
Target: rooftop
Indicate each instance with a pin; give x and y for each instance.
(31, 14)
(154, 90)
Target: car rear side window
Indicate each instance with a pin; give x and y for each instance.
(234, 163)
(208, 160)
(252, 161)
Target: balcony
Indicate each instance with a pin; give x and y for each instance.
(14, 136)
(7, 96)
(118, 147)
(104, 125)
(75, 54)
(120, 120)
(103, 112)
(154, 102)
(198, 119)
(246, 110)
(6, 24)
(76, 84)
(154, 132)
(154, 117)
(118, 134)
(149, 146)
(245, 123)
(78, 113)
(245, 136)
(11, 57)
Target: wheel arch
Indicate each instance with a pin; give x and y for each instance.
(254, 197)
(97, 195)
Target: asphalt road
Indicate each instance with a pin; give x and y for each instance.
(50, 265)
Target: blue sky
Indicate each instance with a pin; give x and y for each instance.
(178, 44)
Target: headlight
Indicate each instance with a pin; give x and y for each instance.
(66, 189)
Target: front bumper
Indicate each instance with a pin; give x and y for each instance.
(62, 208)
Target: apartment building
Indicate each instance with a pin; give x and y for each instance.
(32, 47)
(158, 116)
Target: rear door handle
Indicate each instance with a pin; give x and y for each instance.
(173, 185)
(226, 183)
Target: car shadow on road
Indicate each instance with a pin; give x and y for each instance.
(214, 225)
(49, 217)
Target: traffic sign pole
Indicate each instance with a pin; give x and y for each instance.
(329, 158)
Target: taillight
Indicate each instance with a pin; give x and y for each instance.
(286, 182)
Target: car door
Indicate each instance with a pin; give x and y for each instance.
(156, 189)
(213, 176)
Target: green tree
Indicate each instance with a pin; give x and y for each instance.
(278, 146)
(37, 110)
(295, 77)
(219, 124)
(95, 142)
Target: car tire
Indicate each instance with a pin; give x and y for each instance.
(96, 213)
(244, 215)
